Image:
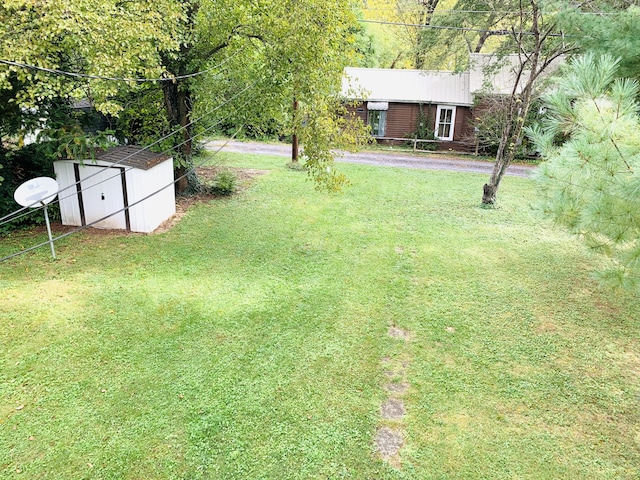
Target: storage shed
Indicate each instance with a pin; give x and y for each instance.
(117, 189)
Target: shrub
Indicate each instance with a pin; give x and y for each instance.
(224, 183)
(35, 160)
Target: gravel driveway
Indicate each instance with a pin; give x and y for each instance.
(426, 161)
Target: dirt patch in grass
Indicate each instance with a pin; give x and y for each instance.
(392, 409)
(245, 177)
(388, 444)
(207, 175)
(398, 387)
(399, 333)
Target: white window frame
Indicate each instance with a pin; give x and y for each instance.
(452, 125)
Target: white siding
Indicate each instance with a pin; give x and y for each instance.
(69, 208)
(102, 194)
(147, 215)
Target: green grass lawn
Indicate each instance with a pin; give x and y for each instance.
(251, 340)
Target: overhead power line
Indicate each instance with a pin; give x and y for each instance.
(499, 12)
(56, 71)
(58, 199)
(36, 205)
(463, 29)
(83, 227)
(439, 12)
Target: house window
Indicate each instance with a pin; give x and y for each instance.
(377, 120)
(445, 119)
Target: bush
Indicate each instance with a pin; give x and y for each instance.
(224, 183)
(297, 166)
(426, 129)
(18, 166)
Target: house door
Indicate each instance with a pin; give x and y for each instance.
(102, 195)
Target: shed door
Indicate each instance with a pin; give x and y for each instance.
(102, 195)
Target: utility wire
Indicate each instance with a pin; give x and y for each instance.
(500, 12)
(5, 218)
(440, 12)
(83, 227)
(464, 29)
(56, 71)
(36, 205)
(161, 153)
(82, 189)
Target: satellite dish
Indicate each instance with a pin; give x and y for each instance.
(36, 192)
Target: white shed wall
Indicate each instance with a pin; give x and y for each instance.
(150, 213)
(103, 198)
(69, 208)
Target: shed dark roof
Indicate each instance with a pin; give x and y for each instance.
(132, 156)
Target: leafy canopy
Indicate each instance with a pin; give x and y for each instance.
(282, 50)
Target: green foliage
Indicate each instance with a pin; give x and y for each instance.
(491, 118)
(426, 128)
(72, 142)
(143, 119)
(273, 51)
(329, 126)
(448, 48)
(297, 166)
(591, 180)
(20, 165)
(224, 183)
(105, 37)
(606, 27)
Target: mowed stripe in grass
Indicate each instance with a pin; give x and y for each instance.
(247, 341)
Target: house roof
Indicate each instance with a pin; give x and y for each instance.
(408, 86)
(488, 74)
(132, 156)
(495, 74)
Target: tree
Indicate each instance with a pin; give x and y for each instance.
(538, 43)
(590, 180)
(524, 38)
(397, 40)
(607, 27)
(467, 26)
(120, 39)
(275, 48)
(413, 13)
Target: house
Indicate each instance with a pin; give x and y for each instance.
(432, 106)
(402, 104)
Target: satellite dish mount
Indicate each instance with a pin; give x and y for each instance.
(35, 193)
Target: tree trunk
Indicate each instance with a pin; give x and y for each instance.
(519, 103)
(294, 136)
(178, 108)
(511, 139)
(504, 156)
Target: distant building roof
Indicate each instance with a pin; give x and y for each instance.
(495, 74)
(488, 73)
(410, 86)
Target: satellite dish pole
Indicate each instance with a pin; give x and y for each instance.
(46, 219)
(36, 191)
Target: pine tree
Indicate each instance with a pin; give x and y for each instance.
(590, 180)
